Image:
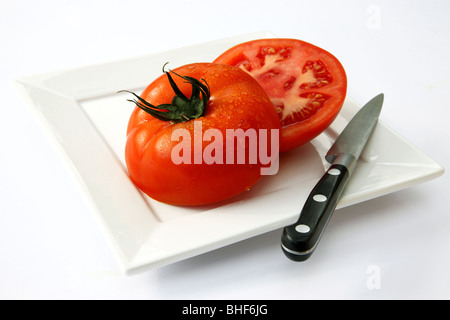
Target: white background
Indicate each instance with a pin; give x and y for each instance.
(51, 246)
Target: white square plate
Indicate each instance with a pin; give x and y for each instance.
(86, 118)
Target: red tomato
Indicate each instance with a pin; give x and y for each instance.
(306, 84)
(170, 165)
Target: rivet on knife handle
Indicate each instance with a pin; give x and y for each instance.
(300, 239)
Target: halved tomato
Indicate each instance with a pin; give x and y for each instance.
(306, 84)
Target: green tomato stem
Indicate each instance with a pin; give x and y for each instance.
(181, 108)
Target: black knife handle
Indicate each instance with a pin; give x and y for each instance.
(299, 240)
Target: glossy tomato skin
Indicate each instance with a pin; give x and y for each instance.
(237, 101)
(306, 84)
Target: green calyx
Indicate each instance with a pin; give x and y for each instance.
(182, 108)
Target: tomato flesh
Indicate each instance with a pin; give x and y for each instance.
(306, 84)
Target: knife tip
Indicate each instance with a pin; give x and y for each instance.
(377, 102)
(381, 97)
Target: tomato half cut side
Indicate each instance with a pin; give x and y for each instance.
(307, 85)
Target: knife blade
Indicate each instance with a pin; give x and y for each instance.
(298, 241)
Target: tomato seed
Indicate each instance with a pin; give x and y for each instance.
(288, 84)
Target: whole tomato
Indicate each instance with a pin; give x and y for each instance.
(180, 145)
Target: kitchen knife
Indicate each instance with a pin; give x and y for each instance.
(299, 240)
